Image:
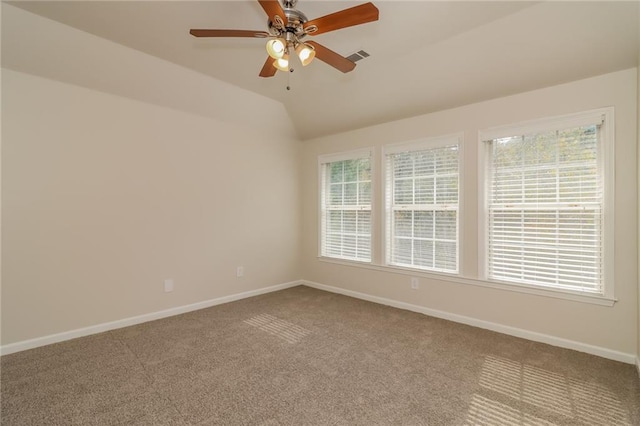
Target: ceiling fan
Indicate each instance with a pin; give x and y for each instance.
(287, 27)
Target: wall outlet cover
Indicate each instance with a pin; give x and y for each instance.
(415, 283)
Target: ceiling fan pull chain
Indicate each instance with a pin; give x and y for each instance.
(289, 78)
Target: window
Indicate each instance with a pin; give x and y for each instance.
(345, 229)
(546, 202)
(422, 204)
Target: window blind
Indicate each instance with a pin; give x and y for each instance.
(422, 208)
(346, 209)
(545, 208)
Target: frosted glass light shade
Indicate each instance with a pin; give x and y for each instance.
(276, 48)
(306, 53)
(282, 64)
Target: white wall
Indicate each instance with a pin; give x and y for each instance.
(104, 197)
(612, 328)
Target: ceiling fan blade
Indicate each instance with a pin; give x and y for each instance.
(268, 70)
(229, 33)
(273, 8)
(345, 18)
(332, 58)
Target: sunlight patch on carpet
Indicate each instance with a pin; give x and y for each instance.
(587, 403)
(283, 329)
(487, 412)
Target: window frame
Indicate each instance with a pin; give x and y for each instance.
(413, 146)
(337, 157)
(606, 163)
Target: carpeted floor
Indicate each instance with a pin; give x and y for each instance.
(307, 357)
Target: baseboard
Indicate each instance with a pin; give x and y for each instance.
(512, 331)
(99, 328)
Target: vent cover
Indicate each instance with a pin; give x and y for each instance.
(360, 54)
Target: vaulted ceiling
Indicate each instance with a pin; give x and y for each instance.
(425, 55)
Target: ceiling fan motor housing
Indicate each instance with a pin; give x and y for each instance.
(295, 22)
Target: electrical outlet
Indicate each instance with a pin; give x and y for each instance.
(415, 284)
(240, 271)
(168, 285)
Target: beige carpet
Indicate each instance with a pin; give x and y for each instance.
(306, 357)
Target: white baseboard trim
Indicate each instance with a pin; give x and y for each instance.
(99, 328)
(638, 365)
(505, 329)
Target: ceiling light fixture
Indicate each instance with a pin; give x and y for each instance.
(282, 63)
(305, 53)
(276, 48)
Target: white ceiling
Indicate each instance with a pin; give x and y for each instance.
(425, 55)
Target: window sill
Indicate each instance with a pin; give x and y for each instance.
(457, 279)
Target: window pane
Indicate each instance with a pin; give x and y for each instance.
(545, 204)
(349, 221)
(334, 245)
(336, 172)
(578, 184)
(425, 162)
(346, 204)
(445, 255)
(402, 251)
(507, 185)
(507, 152)
(364, 247)
(424, 190)
(403, 223)
(364, 223)
(448, 160)
(447, 189)
(423, 253)
(402, 165)
(540, 149)
(424, 201)
(350, 194)
(335, 194)
(403, 191)
(424, 224)
(446, 225)
(349, 246)
(335, 221)
(364, 170)
(364, 193)
(350, 170)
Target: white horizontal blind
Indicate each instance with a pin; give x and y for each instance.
(545, 208)
(346, 209)
(422, 208)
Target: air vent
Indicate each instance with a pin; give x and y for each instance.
(360, 54)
